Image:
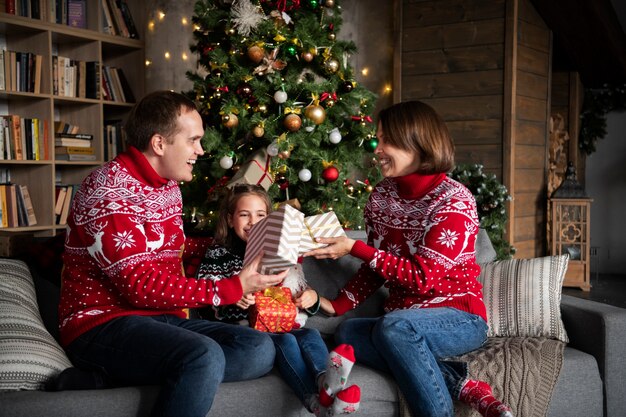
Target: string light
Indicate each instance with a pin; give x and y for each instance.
(161, 15)
(148, 62)
(167, 55)
(151, 25)
(184, 56)
(184, 21)
(365, 71)
(387, 89)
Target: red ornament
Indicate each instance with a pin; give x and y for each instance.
(330, 174)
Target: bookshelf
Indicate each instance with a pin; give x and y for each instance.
(43, 36)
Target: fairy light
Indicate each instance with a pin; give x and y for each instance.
(388, 89)
(167, 55)
(151, 26)
(161, 15)
(184, 56)
(148, 62)
(184, 21)
(365, 71)
(196, 27)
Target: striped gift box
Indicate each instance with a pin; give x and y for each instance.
(321, 225)
(278, 236)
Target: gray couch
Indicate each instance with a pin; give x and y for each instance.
(591, 382)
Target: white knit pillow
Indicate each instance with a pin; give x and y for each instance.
(523, 297)
(29, 355)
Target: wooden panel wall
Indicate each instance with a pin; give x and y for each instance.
(531, 93)
(485, 66)
(452, 57)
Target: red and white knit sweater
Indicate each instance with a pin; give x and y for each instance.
(123, 250)
(421, 234)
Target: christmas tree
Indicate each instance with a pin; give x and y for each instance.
(281, 107)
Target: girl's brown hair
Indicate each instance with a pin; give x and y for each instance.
(223, 233)
(415, 126)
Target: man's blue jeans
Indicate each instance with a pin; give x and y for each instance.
(301, 356)
(412, 345)
(188, 358)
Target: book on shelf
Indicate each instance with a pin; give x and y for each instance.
(11, 204)
(3, 206)
(83, 150)
(22, 215)
(60, 192)
(128, 18)
(65, 208)
(25, 199)
(77, 13)
(2, 84)
(75, 157)
(118, 19)
(61, 127)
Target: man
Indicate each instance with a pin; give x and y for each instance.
(123, 296)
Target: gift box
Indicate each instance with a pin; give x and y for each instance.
(320, 225)
(273, 311)
(278, 236)
(254, 171)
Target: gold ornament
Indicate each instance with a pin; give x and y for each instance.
(329, 4)
(230, 120)
(258, 131)
(332, 36)
(307, 56)
(292, 122)
(284, 154)
(315, 113)
(282, 169)
(331, 65)
(261, 108)
(369, 188)
(256, 53)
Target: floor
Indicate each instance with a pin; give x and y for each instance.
(607, 289)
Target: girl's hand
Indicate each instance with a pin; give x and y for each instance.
(337, 247)
(246, 301)
(326, 306)
(306, 298)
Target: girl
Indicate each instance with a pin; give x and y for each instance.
(421, 228)
(317, 377)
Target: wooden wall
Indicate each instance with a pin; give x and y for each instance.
(485, 66)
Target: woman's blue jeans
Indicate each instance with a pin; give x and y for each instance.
(412, 345)
(301, 356)
(188, 358)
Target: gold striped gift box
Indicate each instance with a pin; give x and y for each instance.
(320, 225)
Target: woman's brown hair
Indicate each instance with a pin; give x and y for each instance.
(223, 233)
(415, 126)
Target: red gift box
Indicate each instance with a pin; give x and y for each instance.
(273, 311)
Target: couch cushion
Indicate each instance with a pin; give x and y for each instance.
(29, 355)
(523, 297)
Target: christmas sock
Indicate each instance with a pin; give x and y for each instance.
(347, 401)
(339, 365)
(478, 395)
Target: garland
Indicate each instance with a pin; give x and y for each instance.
(596, 105)
(491, 197)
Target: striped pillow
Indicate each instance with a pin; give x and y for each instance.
(523, 297)
(29, 355)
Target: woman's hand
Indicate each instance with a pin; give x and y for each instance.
(252, 281)
(246, 301)
(306, 298)
(337, 247)
(326, 306)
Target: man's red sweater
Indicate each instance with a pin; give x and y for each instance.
(123, 250)
(421, 233)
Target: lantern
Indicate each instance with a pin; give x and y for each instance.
(570, 217)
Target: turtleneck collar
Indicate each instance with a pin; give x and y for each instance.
(417, 185)
(137, 164)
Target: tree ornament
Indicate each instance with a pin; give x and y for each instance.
(246, 16)
(272, 149)
(258, 131)
(347, 86)
(292, 122)
(330, 174)
(304, 175)
(315, 113)
(350, 189)
(284, 154)
(230, 120)
(280, 96)
(261, 108)
(313, 4)
(280, 179)
(226, 161)
(307, 56)
(292, 50)
(256, 53)
(329, 4)
(334, 136)
(370, 145)
(369, 188)
(331, 65)
(244, 90)
(331, 36)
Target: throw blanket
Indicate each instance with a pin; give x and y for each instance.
(522, 371)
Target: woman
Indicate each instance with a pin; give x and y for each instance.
(421, 228)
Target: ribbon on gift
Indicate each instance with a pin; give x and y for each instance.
(276, 294)
(265, 169)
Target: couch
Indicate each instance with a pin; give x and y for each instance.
(590, 382)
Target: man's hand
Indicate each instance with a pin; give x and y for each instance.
(337, 247)
(252, 281)
(246, 301)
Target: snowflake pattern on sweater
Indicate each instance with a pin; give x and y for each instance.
(123, 250)
(421, 233)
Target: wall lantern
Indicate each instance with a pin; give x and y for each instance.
(570, 217)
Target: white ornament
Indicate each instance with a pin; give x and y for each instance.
(280, 96)
(335, 136)
(309, 129)
(304, 175)
(226, 162)
(272, 149)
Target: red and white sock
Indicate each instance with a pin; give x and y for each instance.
(346, 401)
(478, 395)
(339, 365)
